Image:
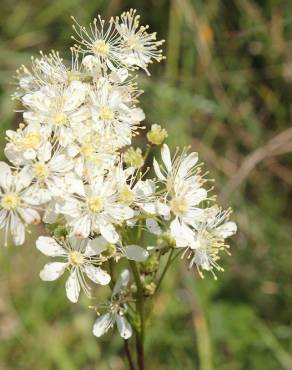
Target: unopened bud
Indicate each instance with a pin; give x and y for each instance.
(149, 289)
(58, 231)
(110, 250)
(157, 135)
(134, 158)
(151, 264)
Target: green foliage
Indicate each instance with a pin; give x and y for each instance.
(225, 89)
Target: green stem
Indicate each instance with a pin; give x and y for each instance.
(166, 267)
(111, 267)
(140, 309)
(147, 153)
(128, 354)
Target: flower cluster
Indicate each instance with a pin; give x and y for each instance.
(74, 169)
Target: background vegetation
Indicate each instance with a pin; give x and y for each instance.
(225, 88)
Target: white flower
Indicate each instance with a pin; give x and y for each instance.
(50, 69)
(80, 258)
(132, 190)
(53, 174)
(93, 152)
(184, 205)
(117, 308)
(111, 115)
(210, 239)
(178, 171)
(103, 43)
(97, 211)
(139, 47)
(59, 108)
(15, 203)
(183, 194)
(26, 142)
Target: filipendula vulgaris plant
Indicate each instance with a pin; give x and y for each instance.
(74, 169)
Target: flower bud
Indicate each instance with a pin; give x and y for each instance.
(169, 240)
(58, 231)
(157, 135)
(110, 250)
(134, 158)
(149, 289)
(151, 264)
(165, 242)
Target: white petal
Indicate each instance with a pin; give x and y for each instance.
(95, 246)
(201, 259)
(158, 171)
(35, 195)
(17, 230)
(162, 209)
(6, 177)
(52, 271)
(3, 214)
(23, 178)
(97, 275)
(200, 195)
(109, 233)
(11, 155)
(81, 226)
(49, 247)
(145, 188)
(226, 230)
(177, 234)
(29, 215)
(50, 216)
(122, 282)
(74, 95)
(165, 154)
(137, 114)
(70, 207)
(153, 226)
(136, 253)
(120, 212)
(45, 151)
(29, 154)
(124, 327)
(74, 184)
(120, 75)
(187, 164)
(72, 150)
(102, 325)
(73, 287)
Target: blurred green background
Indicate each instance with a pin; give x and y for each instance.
(225, 89)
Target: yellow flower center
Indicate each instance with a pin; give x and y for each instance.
(157, 134)
(74, 76)
(178, 206)
(76, 258)
(100, 47)
(10, 201)
(60, 119)
(95, 204)
(31, 140)
(134, 157)
(134, 43)
(126, 196)
(106, 114)
(40, 170)
(87, 150)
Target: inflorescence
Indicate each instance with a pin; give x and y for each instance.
(74, 169)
